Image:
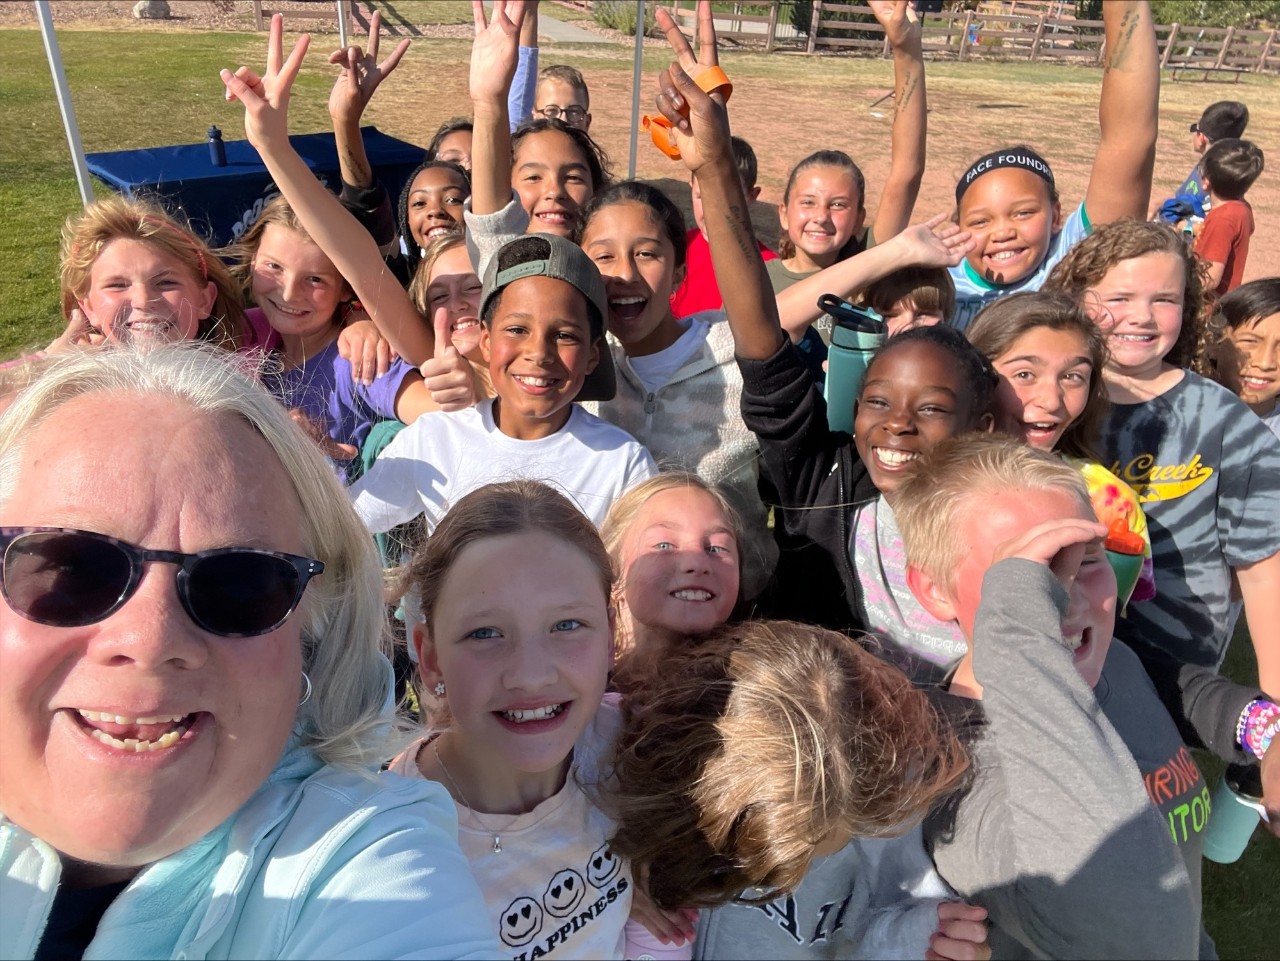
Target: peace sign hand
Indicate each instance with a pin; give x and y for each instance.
(266, 97)
(360, 73)
(699, 121)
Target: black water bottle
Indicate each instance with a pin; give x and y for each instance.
(217, 149)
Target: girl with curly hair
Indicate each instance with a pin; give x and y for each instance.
(1206, 470)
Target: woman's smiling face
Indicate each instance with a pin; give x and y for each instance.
(74, 701)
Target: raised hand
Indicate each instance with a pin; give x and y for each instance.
(266, 97)
(360, 73)
(699, 122)
(935, 243)
(899, 20)
(495, 52)
(1059, 545)
(448, 374)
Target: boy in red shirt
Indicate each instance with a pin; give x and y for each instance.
(698, 291)
(1229, 168)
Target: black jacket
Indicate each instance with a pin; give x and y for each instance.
(815, 480)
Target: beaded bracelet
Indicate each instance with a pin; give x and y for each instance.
(1258, 725)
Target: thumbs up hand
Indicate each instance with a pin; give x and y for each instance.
(448, 374)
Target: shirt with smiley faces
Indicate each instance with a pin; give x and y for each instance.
(555, 890)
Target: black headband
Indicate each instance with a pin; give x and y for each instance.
(1022, 157)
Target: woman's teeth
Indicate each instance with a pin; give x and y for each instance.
(171, 728)
(121, 719)
(533, 714)
(553, 217)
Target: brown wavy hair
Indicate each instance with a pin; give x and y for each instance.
(1002, 322)
(85, 234)
(765, 739)
(1089, 261)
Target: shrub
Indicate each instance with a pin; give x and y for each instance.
(621, 15)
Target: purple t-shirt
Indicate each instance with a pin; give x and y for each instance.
(322, 387)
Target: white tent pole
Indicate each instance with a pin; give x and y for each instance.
(54, 56)
(342, 23)
(635, 89)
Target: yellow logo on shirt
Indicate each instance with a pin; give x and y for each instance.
(1156, 482)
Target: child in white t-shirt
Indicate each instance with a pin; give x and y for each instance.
(542, 313)
(514, 638)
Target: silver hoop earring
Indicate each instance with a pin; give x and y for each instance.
(438, 690)
(306, 696)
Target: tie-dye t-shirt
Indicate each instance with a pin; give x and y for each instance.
(1207, 474)
(925, 648)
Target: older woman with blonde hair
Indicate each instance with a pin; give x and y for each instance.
(195, 700)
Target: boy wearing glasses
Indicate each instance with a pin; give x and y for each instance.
(562, 95)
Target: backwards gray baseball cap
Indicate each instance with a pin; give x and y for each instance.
(548, 255)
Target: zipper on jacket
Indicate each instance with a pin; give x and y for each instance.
(650, 405)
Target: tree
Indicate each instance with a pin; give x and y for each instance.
(1244, 14)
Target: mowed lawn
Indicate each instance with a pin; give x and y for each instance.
(137, 89)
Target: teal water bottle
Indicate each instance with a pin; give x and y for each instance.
(856, 335)
(1234, 812)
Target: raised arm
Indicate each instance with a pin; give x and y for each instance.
(1059, 839)
(700, 129)
(495, 52)
(1128, 113)
(343, 240)
(910, 118)
(520, 101)
(358, 77)
(935, 243)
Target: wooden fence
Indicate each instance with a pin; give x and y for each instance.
(1024, 36)
(1006, 30)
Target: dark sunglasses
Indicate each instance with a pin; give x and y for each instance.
(61, 577)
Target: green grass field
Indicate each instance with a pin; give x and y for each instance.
(136, 89)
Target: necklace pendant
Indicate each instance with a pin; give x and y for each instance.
(497, 844)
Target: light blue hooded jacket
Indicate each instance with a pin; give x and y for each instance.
(319, 863)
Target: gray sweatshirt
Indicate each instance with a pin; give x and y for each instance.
(1057, 836)
(874, 898)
